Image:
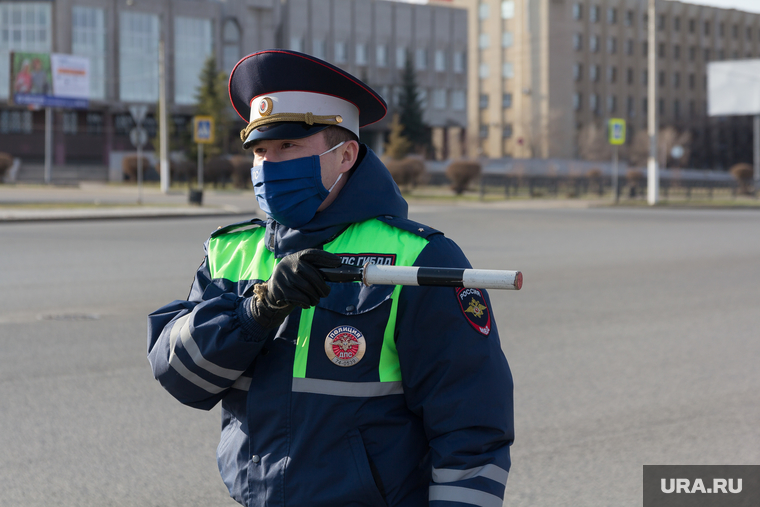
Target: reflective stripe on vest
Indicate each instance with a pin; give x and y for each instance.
(242, 255)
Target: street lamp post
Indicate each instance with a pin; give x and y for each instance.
(653, 173)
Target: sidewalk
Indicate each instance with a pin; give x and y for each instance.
(91, 201)
(24, 203)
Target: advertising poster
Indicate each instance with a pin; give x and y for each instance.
(50, 80)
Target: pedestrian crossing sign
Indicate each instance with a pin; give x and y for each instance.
(203, 131)
(617, 131)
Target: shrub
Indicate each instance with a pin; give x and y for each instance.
(407, 172)
(218, 171)
(241, 171)
(129, 167)
(635, 179)
(595, 179)
(182, 170)
(461, 173)
(6, 161)
(744, 173)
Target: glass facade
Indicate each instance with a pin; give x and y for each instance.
(88, 38)
(193, 44)
(138, 57)
(23, 27)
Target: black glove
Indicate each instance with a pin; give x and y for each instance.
(295, 281)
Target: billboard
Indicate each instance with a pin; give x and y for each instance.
(50, 80)
(733, 88)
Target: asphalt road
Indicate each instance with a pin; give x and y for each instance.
(635, 340)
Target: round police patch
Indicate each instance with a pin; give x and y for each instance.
(475, 310)
(345, 345)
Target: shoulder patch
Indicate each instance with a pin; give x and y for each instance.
(407, 225)
(475, 309)
(239, 226)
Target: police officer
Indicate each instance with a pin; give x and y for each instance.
(334, 394)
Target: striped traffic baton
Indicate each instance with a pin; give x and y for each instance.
(374, 274)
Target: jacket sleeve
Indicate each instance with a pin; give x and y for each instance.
(457, 380)
(200, 348)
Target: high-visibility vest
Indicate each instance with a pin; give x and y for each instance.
(242, 255)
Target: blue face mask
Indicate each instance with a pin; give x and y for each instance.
(291, 191)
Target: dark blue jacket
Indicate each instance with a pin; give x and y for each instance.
(442, 440)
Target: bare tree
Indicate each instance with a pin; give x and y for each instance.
(593, 143)
(667, 138)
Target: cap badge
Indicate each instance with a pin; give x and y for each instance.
(345, 345)
(265, 106)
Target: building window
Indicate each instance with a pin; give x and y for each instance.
(507, 39)
(457, 100)
(231, 45)
(422, 95)
(662, 78)
(611, 74)
(361, 53)
(70, 122)
(13, 121)
(593, 73)
(593, 102)
(593, 14)
(692, 25)
(645, 49)
(735, 31)
(676, 80)
(706, 54)
(507, 131)
(677, 24)
(611, 45)
(296, 43)
(749, 33)
(577, 42)
(631, 107)
(692, 53)
(318, 48)
(94, 123)
(661, 50)
(629, 76)
(507, 70)
(483, 10)
(629, 47)
(23, 27)
(707, 28)
(577, 11)
(440, 60)
(661, 22)
(611, 15)
(458, 62)
(483, 131)
(692, 81)
(341, 52)
(192, 45)
(644, 77)
(577, 101)
(676, 52)
(578, 71)
(593, 43)
(483, 42)
(381, 55)
(421, 59)
(676, 109)
(662, 106)
(439, 98)
(507, 9)
(483, 102)
(506, 100)
(400, 57)
(483, 71)
(721, 29)
(88, 38)
(611, 103)
(138, 57)
(629, 18)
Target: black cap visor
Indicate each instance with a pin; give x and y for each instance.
(282, 130)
